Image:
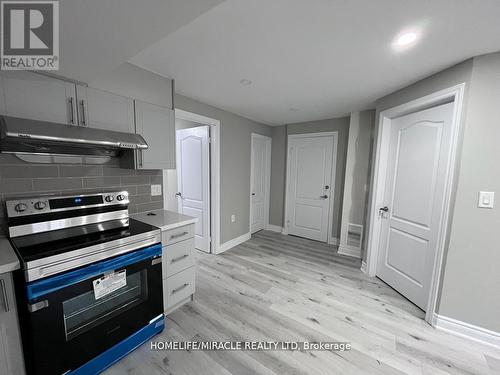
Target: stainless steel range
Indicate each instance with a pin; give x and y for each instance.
(90, 287)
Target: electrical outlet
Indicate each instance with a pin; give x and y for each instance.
(156, 189)
(233, 218)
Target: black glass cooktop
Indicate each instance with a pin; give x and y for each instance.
(41, 245)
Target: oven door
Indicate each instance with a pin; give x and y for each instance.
(77, 315)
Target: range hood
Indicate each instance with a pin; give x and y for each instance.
(48, 142)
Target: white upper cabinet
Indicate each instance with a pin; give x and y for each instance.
(29, 95)
(157, 126)
(104, 110)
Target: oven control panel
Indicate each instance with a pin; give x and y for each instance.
(49, 204)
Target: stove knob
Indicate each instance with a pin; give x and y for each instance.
(40, 205)
(20, 207)
(120, 197)
(109, 198)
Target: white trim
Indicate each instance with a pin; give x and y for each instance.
(214, 175)
(234, 242)
(363, 267)
(335, 134)
(350, 251)
(454, 94)
(466, 330)
(274, 228)
(267, 188)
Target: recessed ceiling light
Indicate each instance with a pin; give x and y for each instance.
(245, 82)
(405, 40)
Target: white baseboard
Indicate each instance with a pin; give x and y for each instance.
(466, 330)
(350, 251)
(334, 241)
(234, 242)
(363, 267)
(274, 228)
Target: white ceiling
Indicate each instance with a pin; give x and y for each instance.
(322, 57)
(98, 35)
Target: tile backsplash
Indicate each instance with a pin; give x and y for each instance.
(21, 179)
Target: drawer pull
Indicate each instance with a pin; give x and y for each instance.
(179, 258)
(179, 288)
(174, 236)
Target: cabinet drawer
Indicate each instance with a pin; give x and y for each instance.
(178, 287)
(178, 257)
(178, 234)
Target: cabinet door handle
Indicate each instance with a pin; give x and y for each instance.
(4, 295)
(83, 119)
(174, 236)
(71, 111)
(179, 288)
(179, 258)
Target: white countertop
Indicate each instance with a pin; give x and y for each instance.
(165, 219)
(8, 259)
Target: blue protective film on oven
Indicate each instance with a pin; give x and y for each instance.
(41, 287)
(120, 350)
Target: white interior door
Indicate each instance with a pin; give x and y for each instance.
(309, 192)
(259, 182)
(419, 152)
(193, 178)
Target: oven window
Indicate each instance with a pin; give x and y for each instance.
(83, 313)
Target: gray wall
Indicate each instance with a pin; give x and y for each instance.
(21, 179)
(460, 73)
(131, 81)
(235, 144)
(341, 125)
(470, 282)
(186, 124)
(278, 176)
(361, 170)
(357, 174)
(471, 285)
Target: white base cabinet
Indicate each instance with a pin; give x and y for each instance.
(11, 353)
(179, 270)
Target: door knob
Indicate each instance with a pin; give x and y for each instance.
(178, 194)
(384, 209)
(253, 193)
(324, 196)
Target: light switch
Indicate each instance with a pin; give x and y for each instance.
(486, 199)
(233, 218)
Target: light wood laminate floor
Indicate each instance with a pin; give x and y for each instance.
(283, 288)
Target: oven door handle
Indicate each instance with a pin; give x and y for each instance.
(48, 285)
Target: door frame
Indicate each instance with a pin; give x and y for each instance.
(335, 134)
(267, 187)
(214, 146)
(453, 94)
